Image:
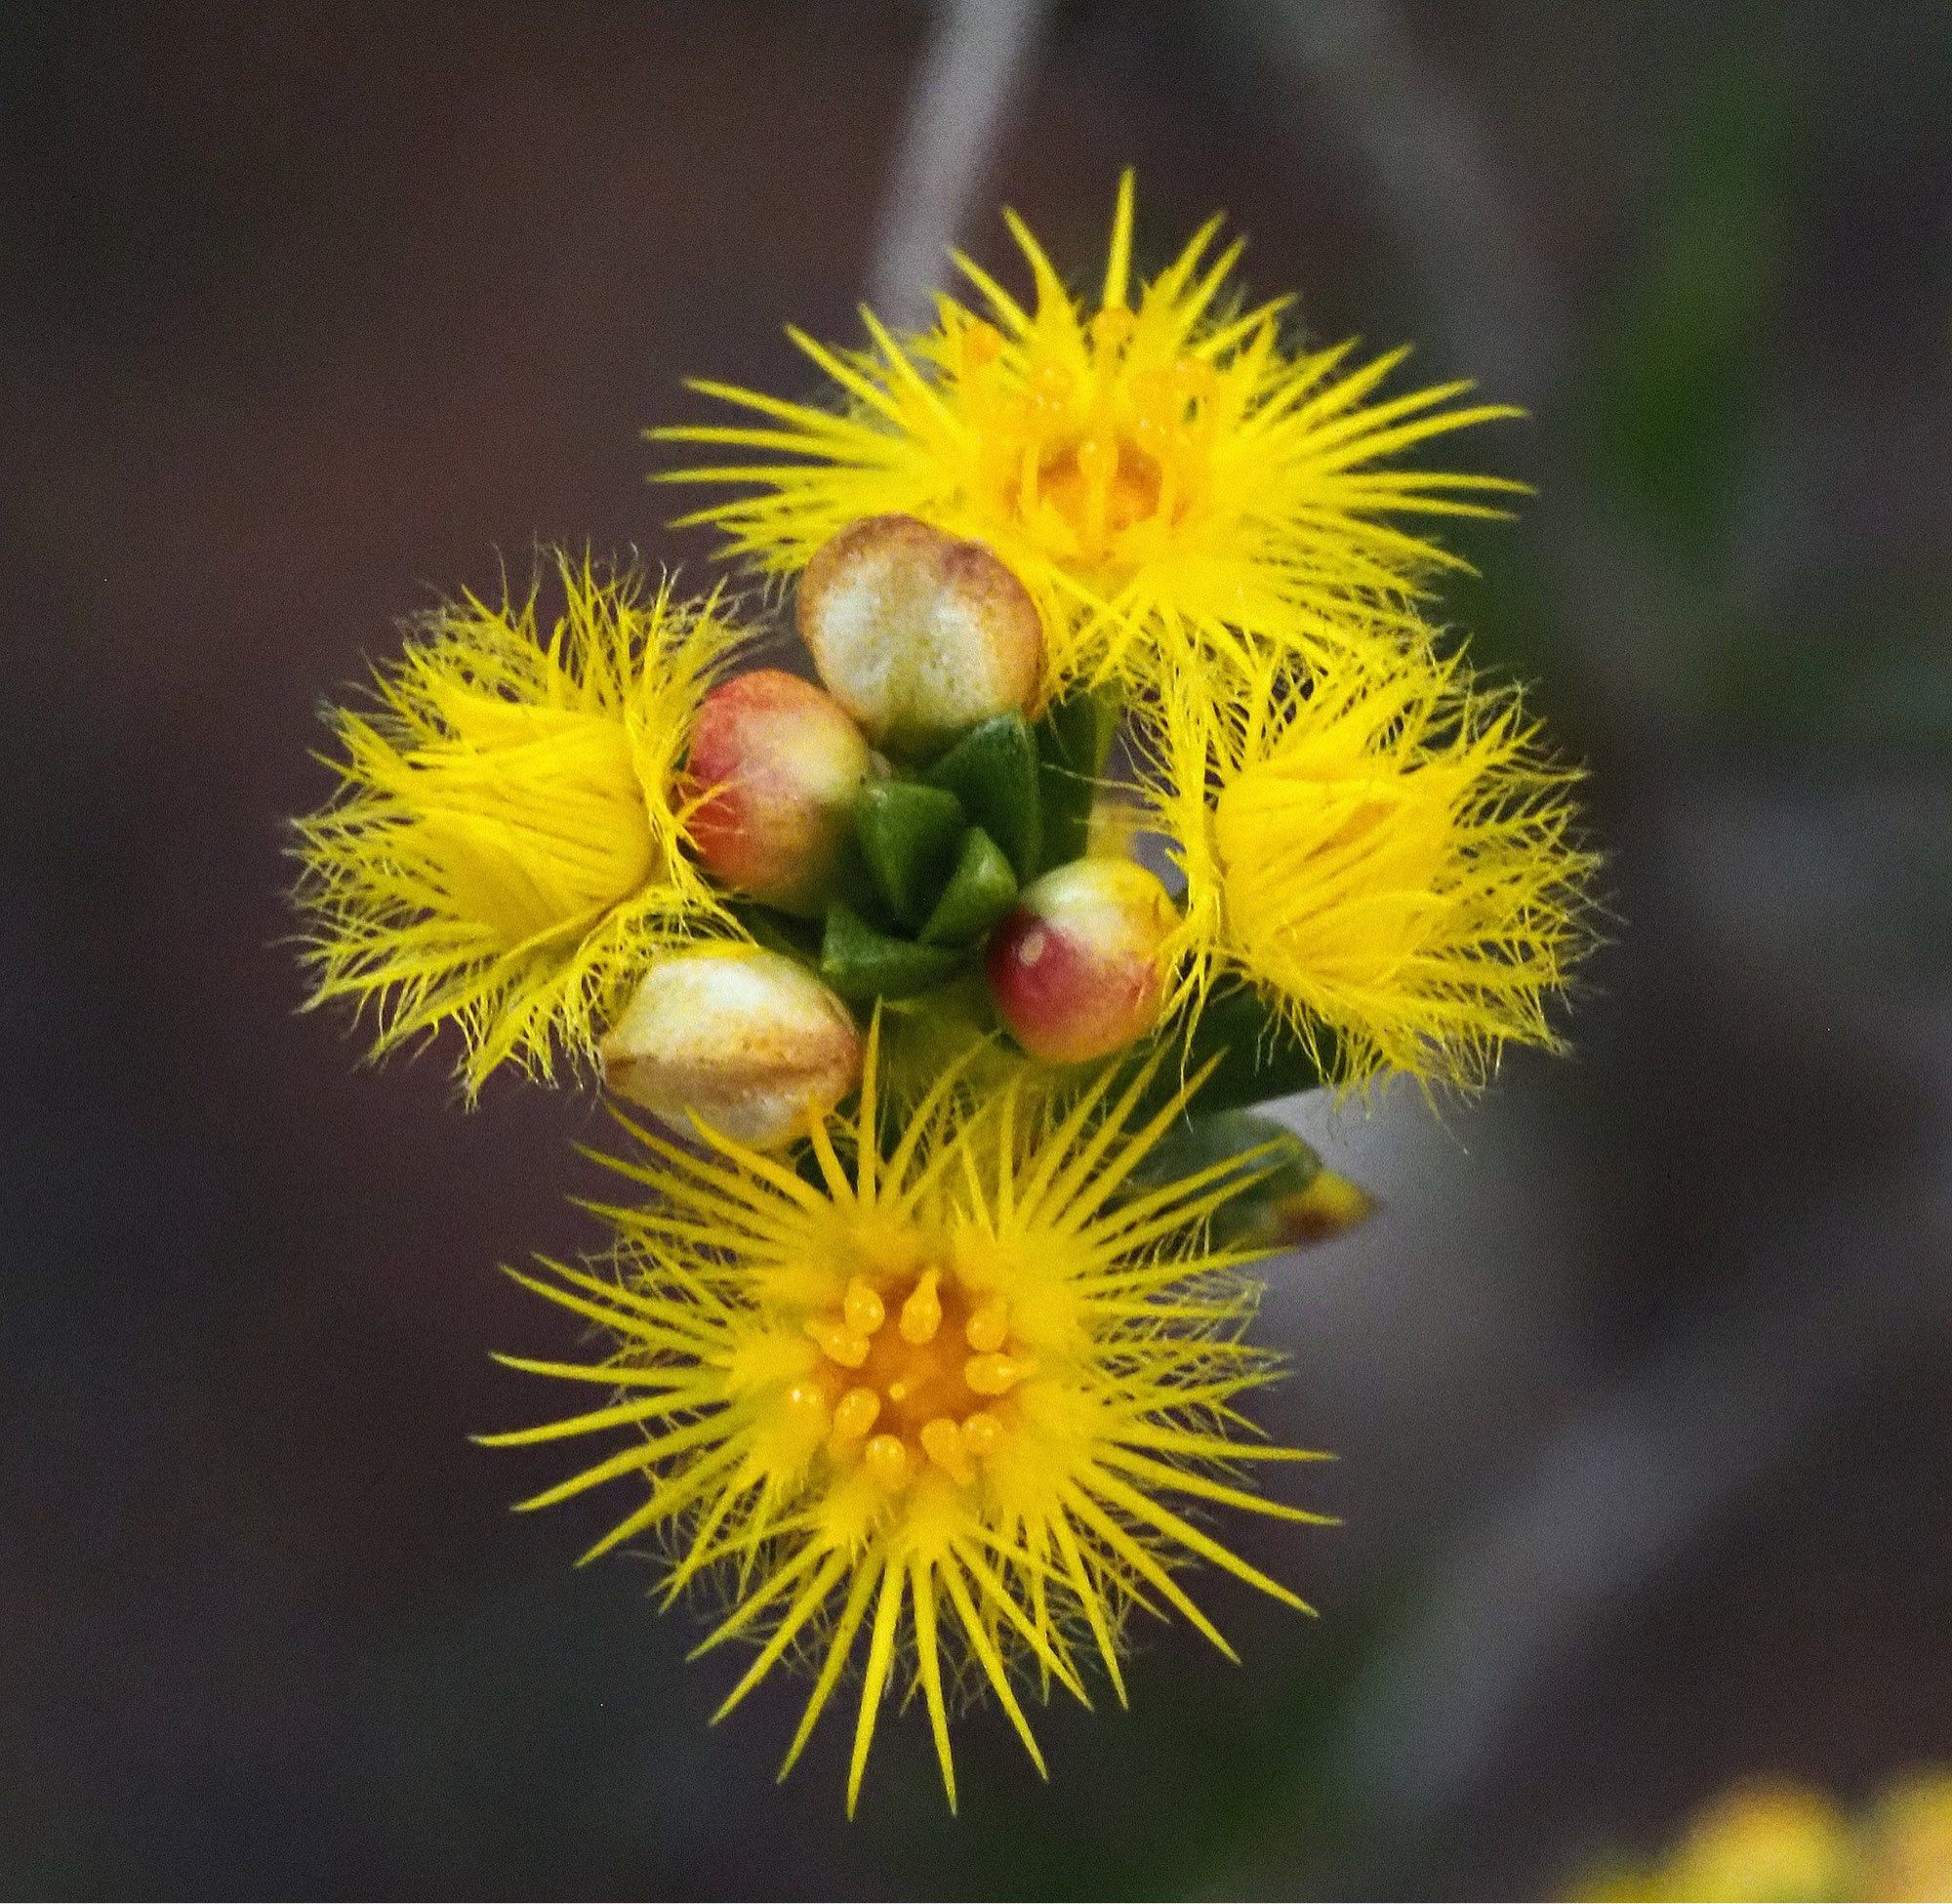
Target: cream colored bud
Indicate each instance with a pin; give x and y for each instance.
(746, 1040)
(917, 634)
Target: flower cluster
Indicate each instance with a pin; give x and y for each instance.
(1123, 789)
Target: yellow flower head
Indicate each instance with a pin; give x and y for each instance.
(1772, 1839)
(1377, 846)
(1155, 466)
(505, 848)
(1907, 1841)
(1764, 1839)
(923, 1411)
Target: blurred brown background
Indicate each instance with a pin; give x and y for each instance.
(1640, 1383)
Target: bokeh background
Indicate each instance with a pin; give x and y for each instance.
(1640, 1383)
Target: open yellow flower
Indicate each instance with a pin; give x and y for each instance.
(1380, 848)
(924, 1412)
(1155, 467)
(506, 850)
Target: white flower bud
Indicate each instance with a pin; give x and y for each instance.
(917, 634)
(746, 1040)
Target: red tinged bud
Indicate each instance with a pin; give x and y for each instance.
(779, 764)
(1077, 970)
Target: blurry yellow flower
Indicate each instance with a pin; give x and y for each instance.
(504, 852)
(1771, 1841)
(1762, 1841)
(1153, 467)
(920, 1412)
(1906, 1845)
(1380, 849)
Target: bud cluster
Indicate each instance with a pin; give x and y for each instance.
(909, 820)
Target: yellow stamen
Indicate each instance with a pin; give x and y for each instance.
(942, 1443)
(988, 1327)
(887, 1459)
(995, 1374)
(854, 1414)
(1097, 466)
(921, 1314)
(862, 1308)
(805, 1402)
(1111, 327)
(838, 1342)
(982, 1434)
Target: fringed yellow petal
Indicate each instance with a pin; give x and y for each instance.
(1382, 848)
(507, 848)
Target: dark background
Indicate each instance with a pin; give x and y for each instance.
(1640, 1383)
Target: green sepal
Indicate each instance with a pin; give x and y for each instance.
(1260, 1056)
(1276, 1169)
(994, 771)
(907, 834)
(862, 964)
(980, 891)
(777, 931)
(1073, 741)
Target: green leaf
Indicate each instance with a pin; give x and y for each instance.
(908, 834)
(1260, 1057)
(1073, 740)
(862, 964)
(1283, 1169)
(993, 770)
(980, 891)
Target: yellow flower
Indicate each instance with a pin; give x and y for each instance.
(1379, 848)
(1763, 1840)
(1775, 1841)
(505, 849)
(1157, 468)
(1906, 1844)
(923, 1410)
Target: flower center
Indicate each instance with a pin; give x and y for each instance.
(913, 1372)
(1098, 462)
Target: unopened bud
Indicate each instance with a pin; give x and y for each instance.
(750, 1042)
(1319, 1213)
(779, 765)
(1077, 970)
(919, 635)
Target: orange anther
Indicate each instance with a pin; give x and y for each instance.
(982, 343)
